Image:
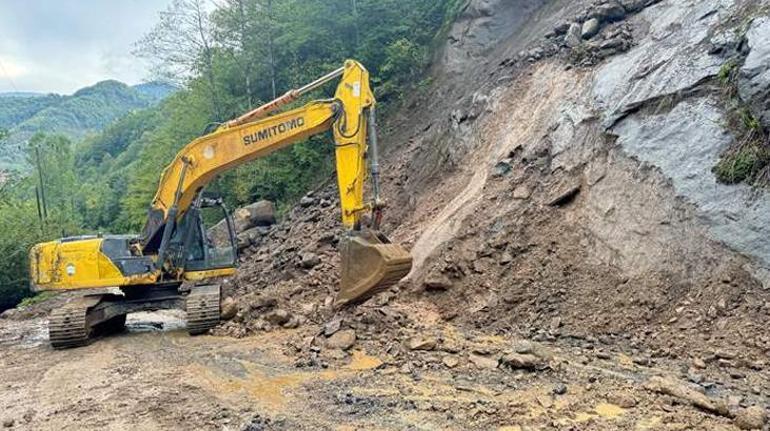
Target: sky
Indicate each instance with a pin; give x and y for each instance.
(60, 46)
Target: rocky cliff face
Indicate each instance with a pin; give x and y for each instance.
(568, 173)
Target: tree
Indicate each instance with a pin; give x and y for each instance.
(182, 45)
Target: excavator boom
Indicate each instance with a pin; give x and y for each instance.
(350, 116)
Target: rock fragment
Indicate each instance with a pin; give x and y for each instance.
(573, 37)
(278, 317)
(309, 260)
(421, 343)
(481, 361)
(331, 327)
(437, 284)
(342, 340)
(450, 361)
(518, 361)
(610, 11)
(229, 308)
(564, 194)
(686, 393)
(623, 399)
(751, 418)
(306, 201)
(590, 28)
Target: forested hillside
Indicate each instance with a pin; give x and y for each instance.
(86, 111)
(226, 61)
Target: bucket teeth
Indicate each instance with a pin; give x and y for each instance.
(370, 264)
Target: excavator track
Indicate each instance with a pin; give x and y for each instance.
(203, 308)
(68, 326)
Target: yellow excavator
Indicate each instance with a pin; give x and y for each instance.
(168, 265)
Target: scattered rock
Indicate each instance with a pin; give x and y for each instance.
(751, 418)
(342, 340)
(450, 361)
(278, 317)
(523, 347)
(421, 343)
(483, 361)
(684, 392)
(519, 361)
(331, 327)
(503, 167)
(306, 201)
(573, 37)
(438, 283)
(590, 28)
(229, 308)
(29, 415)
(8, 423)
(623, 399)
(522, 191)
(262, 303)
(610, 11)
(698, 363)
(632, 6)
(309, 260)
(560, 389)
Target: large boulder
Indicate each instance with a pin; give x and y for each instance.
(260, 213)
(754, 80)
(245, 222)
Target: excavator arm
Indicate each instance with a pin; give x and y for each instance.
(248, 138)
(369, 262)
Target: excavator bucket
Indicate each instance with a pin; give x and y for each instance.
(370, 264)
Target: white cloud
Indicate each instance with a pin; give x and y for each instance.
(61, 46)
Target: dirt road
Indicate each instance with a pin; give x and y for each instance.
(153, 379)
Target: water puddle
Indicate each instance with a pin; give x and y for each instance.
(163, 320)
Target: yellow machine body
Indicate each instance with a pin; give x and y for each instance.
(78, 264)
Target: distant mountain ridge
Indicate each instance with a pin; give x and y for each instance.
(86, 111)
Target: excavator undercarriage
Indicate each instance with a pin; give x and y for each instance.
(82, 319)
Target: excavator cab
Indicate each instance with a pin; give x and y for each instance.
(208, 246)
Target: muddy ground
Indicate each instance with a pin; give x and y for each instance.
(156, 377)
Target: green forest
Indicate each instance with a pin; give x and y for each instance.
(85, 112)
(224, 62)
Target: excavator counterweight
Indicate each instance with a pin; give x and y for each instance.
(175, 247)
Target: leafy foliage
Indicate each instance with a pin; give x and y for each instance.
(23, 225)
(87, 111)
